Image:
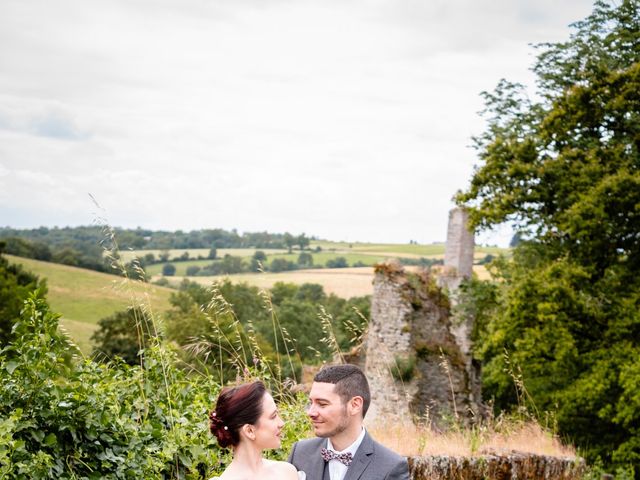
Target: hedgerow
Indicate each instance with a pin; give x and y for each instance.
(66, 417)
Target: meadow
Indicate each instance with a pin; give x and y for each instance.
(83, 297)
(343, 282)
(362, 254)
(128, 255)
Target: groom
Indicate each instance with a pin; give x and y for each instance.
(345, 451)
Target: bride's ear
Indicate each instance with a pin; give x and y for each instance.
(248, 431)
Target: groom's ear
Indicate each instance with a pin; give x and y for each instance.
(355, 405)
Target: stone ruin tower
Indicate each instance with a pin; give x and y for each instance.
(417, 357)
(458, 253)
(458, 266)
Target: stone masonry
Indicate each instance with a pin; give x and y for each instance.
(388, 338)
(415, 367)
(458, 254)
(458, 266)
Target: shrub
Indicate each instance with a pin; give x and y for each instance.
(168, 270)
(339, 262)
(62, 419)
(192, 270)
(403, 368)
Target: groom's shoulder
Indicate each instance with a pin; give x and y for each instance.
(309, 444)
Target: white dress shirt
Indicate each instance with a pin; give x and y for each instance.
(337, 469)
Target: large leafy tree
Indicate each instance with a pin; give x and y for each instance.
(564, 168)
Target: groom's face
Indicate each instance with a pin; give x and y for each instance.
(326, 410)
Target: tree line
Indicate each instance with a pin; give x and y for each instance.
(85, 246)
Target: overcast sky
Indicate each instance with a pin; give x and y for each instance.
(344, 119)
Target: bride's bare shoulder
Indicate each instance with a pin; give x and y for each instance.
(284, 469)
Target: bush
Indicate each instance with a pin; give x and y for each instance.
(281, 265)
(193, 270)
(403, 368)
(168, 270)
(62, 419)
(125, 335)
(339, 262)
(16, 285)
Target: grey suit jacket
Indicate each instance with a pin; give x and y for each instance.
(372, 461)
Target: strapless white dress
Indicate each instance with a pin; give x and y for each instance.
(301, 476)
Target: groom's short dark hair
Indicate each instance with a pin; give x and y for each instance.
(350, 382)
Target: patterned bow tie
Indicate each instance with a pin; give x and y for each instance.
(344, 458)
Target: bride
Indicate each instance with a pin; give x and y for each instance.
(247, 420)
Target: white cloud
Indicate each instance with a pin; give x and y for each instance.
(347, 120)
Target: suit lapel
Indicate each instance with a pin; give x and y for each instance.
(361, 459)
(316, 463)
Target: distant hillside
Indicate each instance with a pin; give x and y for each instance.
(83, 297)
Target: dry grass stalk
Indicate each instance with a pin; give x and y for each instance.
(523, 437)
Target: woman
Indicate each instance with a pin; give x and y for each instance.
(247, 420)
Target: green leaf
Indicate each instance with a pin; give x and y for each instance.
(50, 440)
(10, 366)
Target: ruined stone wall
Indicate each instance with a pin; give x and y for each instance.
(388, 339)
(496, 467)
(458, 266)
(415, 366)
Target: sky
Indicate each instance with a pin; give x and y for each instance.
(343, 119)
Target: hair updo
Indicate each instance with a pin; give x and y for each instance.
(236, 406)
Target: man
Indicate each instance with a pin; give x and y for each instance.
(345, 451)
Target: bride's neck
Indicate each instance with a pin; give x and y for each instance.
(247, 456)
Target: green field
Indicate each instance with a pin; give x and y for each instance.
(128, 255)
(319, 259)
(83, 297)
(367, 254)
(434, 250)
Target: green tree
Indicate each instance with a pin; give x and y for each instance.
(192, 270)
(257, 261)
(303, 241)
(289, 241)
(124, 334)
(338, 262)
(29, 249)
(168, 270)
(305, 259)
(281, 265)
(565, 170)
(16, 285)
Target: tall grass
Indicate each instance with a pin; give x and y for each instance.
(502, 434)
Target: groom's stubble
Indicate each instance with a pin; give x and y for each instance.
(343, 424)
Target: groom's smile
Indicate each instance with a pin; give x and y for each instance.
(326, 410)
